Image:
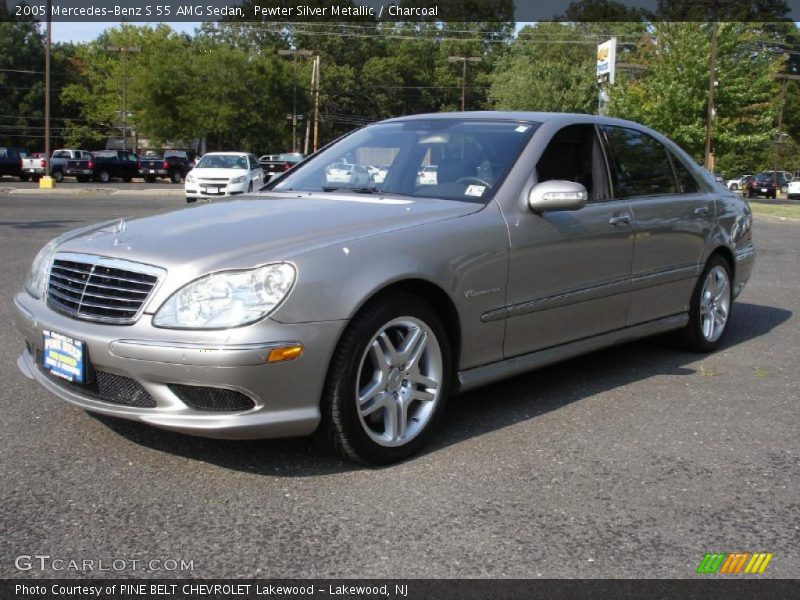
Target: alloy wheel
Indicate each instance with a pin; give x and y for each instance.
(715, 304)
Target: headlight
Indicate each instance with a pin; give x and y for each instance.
(239, 179)
(227, 299)
(190, 178)
(37, 278)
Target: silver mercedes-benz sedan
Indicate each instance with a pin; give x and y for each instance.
(355, 312)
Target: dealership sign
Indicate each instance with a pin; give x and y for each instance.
(606, 60)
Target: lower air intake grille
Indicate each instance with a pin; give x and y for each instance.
(212, 399)
(108, 387)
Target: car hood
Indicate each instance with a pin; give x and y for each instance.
(217, 173)
(257, 229)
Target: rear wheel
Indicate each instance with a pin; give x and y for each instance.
(388, 382)
(175, 176)
(711, 307)
(24, 177)
(103, 176)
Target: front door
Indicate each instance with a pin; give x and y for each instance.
(569, 270)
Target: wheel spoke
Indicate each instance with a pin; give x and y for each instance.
(414, 347)
(423, 395)
(394, 420)
(373, 403)
(415, 376)
(390, 352)
(377, 386)
(380, 359)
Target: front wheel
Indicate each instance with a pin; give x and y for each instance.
(58, 176)
(388, 382)
(710, 309)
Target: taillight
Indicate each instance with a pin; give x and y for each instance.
(165, 165)
(44, 164)
(90, 165)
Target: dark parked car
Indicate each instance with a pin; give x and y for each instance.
(276, 164)
(108, 164)
(763, 184)
(72, 163)
(173, 164)
(11, 162)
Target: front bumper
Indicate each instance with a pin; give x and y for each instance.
(285, 395)
(201, 190)
(745, 259)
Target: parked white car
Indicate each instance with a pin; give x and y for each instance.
(344, 174)
(736, 184)
(793, 190)
(224, 174)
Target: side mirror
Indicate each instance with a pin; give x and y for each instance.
(557, 195)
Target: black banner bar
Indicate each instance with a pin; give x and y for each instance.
(310, 11)
(733, 588)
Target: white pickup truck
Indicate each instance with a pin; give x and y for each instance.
(65, 163)
(34, 166)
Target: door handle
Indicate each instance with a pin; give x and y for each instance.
(702, 211)
(620, 220)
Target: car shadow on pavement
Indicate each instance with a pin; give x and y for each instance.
(471, 414)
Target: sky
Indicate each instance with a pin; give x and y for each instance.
(86, 32)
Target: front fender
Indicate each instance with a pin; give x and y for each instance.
(466, 257)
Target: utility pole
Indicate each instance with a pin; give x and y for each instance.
(294, 53)
(712, 84)
(464, 60)
(124, 52)
(316, 102)
(46, 181)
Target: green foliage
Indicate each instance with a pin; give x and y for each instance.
(670, 92)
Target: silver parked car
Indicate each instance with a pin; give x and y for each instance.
(357, 313)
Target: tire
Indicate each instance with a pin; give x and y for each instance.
(103, 176)
(734, 187)
(784, 189)
(415, 381)
(175, 176)
(699, 336)
(772, 195)
(127, 179)
(58, 176)
(191, 200)
(150, 179)
(24, 177)
(82, 178)
(250, 187)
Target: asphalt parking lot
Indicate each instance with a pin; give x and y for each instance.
(629, 462)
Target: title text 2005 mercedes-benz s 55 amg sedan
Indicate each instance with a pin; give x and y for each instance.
(355, 307)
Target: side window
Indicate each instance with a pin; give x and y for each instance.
(687, 184)
(574, 154)
(61, 154)
(641, 165)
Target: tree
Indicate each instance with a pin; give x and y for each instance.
(669, 94)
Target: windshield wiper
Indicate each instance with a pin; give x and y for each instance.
(357, 190)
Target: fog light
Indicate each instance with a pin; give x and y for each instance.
(283, 354)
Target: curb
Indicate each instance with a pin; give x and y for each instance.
(90, 192)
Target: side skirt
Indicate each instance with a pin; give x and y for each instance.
(478, 376)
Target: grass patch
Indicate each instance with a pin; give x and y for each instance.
(791, 211)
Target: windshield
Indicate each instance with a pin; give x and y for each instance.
(439, 158)
(222, 161)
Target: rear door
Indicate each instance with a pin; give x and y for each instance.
(569, 270)
(673, 218)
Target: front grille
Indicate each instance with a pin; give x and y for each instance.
(100, 289)
(106, 387)
(209, 398)
(214, 180)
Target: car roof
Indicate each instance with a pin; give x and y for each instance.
(501, 115)
(226, 154)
